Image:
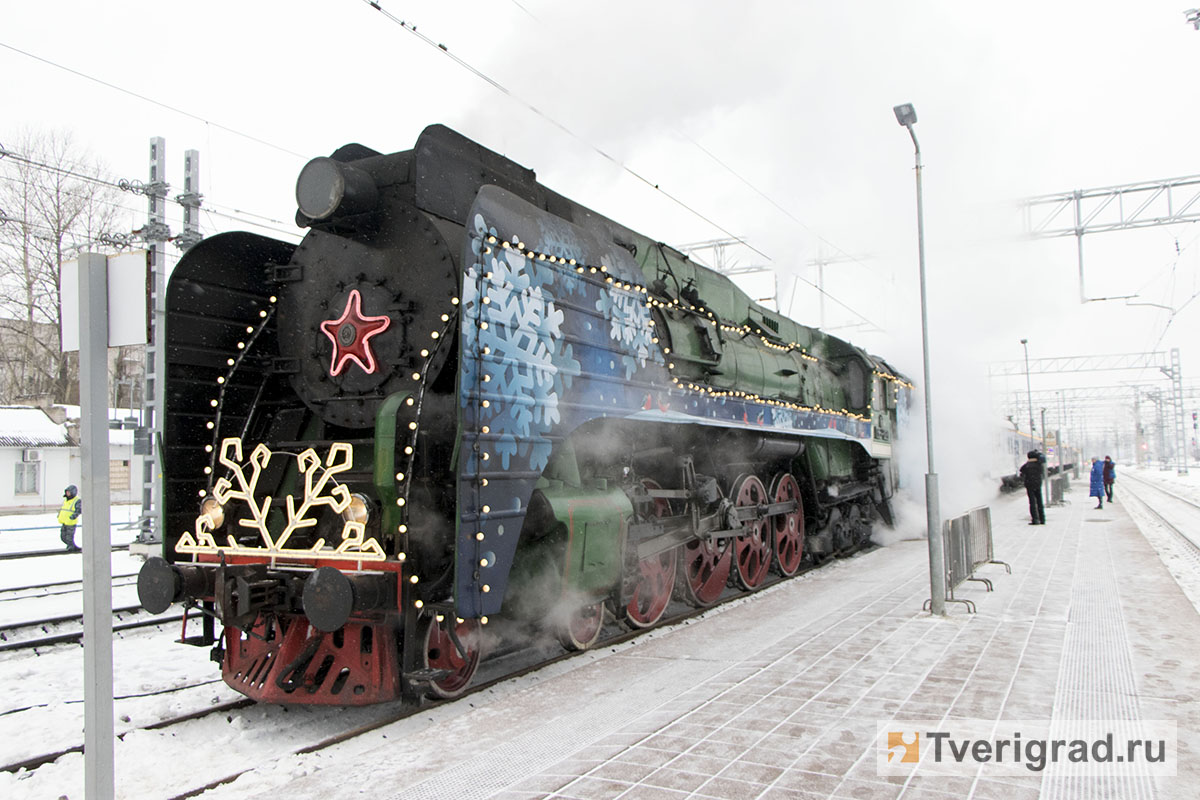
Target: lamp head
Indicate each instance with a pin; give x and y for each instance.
(906, 115)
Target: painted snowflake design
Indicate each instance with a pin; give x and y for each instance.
(629, 327)
(528, 364)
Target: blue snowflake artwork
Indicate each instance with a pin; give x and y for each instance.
(529, 364)
(629, 328)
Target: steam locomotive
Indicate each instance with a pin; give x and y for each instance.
(465, 398)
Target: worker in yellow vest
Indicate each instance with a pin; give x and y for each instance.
(68, 517)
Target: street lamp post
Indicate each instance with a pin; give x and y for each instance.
(1029, 398)
(1045, 483)
(906, 115)
(1028, 392)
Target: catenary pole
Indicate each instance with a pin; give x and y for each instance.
(155, 233)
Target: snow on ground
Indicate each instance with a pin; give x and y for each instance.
(1179, 559)
(42, 709)
(38, 532)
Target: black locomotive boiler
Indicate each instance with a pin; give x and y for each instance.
(465, 398)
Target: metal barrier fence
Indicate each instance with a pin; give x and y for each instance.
(967, 544)
(1060, 485)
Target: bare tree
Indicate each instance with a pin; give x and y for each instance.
(54, 200)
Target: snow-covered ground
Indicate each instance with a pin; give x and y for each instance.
(1180, 560)
(41, 710)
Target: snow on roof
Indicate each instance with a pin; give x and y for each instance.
(28, 426)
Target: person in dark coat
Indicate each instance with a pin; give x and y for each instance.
(1031, 474)
(1097, 482)
(1110, 475)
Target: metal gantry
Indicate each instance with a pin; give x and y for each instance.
(722, 263)
(1100, 363)
(1111, 208)
(1170, 405)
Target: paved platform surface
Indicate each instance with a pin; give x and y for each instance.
(780, 695)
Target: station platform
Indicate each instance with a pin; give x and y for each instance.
(781, 695)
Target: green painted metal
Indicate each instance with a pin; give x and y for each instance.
(729, 342)
(385, 460)
(596, 522)
(578, 555)
(829, 458)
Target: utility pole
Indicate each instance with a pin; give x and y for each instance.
(155, 233)
(1176, 376)
(190, 200)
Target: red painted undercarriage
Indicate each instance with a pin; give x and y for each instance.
(283, 659)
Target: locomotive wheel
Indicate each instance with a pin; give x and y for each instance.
(859, 528)
(441, 654)
(706, 566)
(788, 529)
(751, 550)
(582, 628)
(654, 581)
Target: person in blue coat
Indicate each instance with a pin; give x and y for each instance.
(1097, 482)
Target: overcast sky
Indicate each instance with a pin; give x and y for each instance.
(774, 120)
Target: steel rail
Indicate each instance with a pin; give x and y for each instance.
(77, 636)
(1172, 527)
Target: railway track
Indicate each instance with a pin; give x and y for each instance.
(1180, 534)
(55, 588)
(58, 551)
(47, 632)
(49, 758)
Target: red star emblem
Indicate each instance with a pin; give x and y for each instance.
(350, 334)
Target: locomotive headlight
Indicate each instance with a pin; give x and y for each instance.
(327, 188)
(212, 509)
(358, 510)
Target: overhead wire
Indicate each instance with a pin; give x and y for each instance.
(57, 169)
(210, 212)
(716, 159)
(111, 204)
(238, 215)
(595, 148)
(486, 78)
(1172, 309)
(151, 100)
(412, 29)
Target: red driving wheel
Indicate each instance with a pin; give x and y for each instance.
(788, 528)
(751, 550)
(442, 655)
(582, 628)
(654, 580)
